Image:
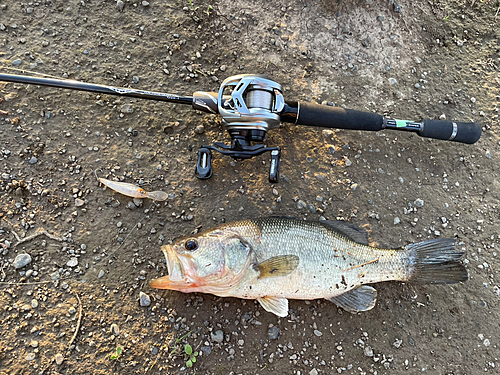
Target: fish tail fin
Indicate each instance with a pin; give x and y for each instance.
(437, 262)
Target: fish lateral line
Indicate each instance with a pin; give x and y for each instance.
(364, 264)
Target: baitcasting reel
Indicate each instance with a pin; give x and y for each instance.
(250, 105)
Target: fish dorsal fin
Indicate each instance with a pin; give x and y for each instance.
(276, 305)
(281, 265)
(360, 299)
(351, 231)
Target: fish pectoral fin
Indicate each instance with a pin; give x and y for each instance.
(359, 299)
(281, 265)
(276, 305)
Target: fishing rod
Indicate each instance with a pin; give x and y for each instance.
(250, 105)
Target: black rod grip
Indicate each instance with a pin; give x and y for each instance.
(311, 114)
(465, 132)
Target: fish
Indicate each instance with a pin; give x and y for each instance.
(274, 259)
(131, 190)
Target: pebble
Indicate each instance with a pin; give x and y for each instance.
(73, 262)
(368, 351)
(55, 276)
(396, 220)
(138, 202)
(127, 108)
(218, 336)
(301, 204)
(419, 202)
(17, 62)
(318, 333)
(144, 299)
(145, 4)
(273, 333)
(59, 359)
(206, 350)
(348, 163)
(200, 129)
(397, 343)
(34, 303)
(131, 206)
(33, 160)
(22, 260)
(101, 274)
(115, 330)
(79, 202)
(30, 356)
(313, 372)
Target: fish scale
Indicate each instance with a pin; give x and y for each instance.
(325, 256)
(275, 259)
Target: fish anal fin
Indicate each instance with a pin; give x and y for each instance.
(276, 305)
(359, 299)
(351, 231)
(281, 265)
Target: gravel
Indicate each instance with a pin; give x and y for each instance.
(144, 299)
(217, 336)
(273, 333)
(22, 260)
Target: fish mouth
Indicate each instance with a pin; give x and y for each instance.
(177, 278)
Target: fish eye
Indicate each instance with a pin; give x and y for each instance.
(191, 245)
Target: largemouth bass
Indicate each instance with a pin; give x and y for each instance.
(274, 259)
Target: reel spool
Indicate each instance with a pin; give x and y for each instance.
(250, 105)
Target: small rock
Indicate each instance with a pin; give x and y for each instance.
(144, 299)
(22, 260)
(442, 117)
(55, 276)
(273, 333)
(30, 356)
(396, 220)
(218, 336)
(34, 303)
(115, 330)
(318, 333)
(223, 68)
(301, 204)
(101, 274)
(59, 359)
(33, 160)
(397, 343)
(368, 351)
(313, 372)
(73, 262)
(206, 350)
(145, 4)
(131, 206)
(200, 129)
(17, 62)
(419, 202)
(348, 163)
(138, 202)
(127, 108)
(79, 202)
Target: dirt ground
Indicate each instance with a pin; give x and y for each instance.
(405, 59)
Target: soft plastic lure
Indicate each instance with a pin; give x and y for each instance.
(131, 190)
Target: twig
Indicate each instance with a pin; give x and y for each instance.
(39, 232)
(364, 264)
(68, 347)
(80, 313)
